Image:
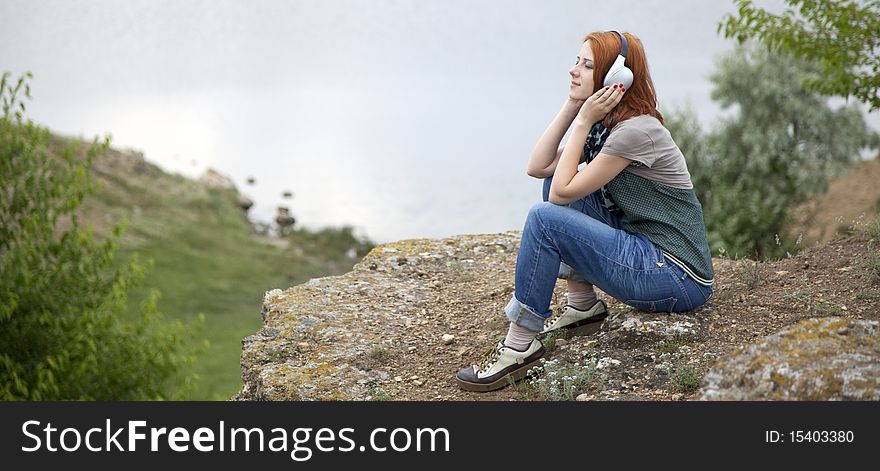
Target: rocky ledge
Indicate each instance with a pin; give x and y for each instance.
(411, 313)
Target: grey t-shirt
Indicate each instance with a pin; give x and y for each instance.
(649, 145)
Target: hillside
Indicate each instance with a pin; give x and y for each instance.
(207, 257)
(378, 331)
(850, 200)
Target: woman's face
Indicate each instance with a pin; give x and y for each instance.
(582, 74)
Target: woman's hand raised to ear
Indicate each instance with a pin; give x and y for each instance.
(599, 105)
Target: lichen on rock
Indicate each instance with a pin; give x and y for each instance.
(817, 359)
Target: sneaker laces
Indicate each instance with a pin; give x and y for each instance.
(491, 357)
(550, 320)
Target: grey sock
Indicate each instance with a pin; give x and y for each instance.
(519, 338)
(581, 300)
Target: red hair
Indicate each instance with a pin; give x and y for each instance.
(640, 98)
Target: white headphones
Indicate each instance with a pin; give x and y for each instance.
(620, 73)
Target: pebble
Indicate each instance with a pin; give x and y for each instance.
(448, 339)
(398, 378)
(583, 397)
(607, 362)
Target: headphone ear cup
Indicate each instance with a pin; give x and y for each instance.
(621, 75)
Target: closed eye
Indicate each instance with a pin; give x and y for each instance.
(587, 63)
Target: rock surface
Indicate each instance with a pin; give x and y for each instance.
(817, 359)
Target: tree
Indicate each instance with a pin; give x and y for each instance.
(778, 149)
(843, 37)
(65, 332)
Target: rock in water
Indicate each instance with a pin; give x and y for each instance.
(283, 218)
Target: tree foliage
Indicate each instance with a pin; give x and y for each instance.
(65, 332)
(842, 37)
(779, 147)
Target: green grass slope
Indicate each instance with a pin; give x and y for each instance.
(206, 256)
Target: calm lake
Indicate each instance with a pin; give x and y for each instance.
(401, 118)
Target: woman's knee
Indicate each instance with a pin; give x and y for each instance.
(543, 212)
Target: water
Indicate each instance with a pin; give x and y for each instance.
(401, 118)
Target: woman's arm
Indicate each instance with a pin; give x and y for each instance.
(569, 184)
(597, 173)
(547, 152)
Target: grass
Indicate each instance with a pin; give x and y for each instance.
(872, 265)
(751, 273)
(212, 269)
(555, 381)
(378, 394)
(672, 345)
(846, 229)
(825, 308)
(874, 228)
(686, 379)
(549, 339)
(208, 260)
(379, 353)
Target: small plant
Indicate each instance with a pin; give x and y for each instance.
(686, 379)
(825, 308)
(804, 296)
(672, 345)
(872, 265)
(379, 354)
(846, 229)
(549, 340)
(378, 394)
(751, 273)
(557, 382)
(874, 227)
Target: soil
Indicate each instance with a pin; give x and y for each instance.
(751, 300)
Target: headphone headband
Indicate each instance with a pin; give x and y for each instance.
(624, 45)
(619, 72)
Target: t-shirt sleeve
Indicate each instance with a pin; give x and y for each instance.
(631, 143)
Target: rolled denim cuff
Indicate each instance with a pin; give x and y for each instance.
(568, 273)
(523, 316)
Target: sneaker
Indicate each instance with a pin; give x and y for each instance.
(572, 322)
(502, 361)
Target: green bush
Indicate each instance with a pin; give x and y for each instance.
(65, 331)
(780, 147)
